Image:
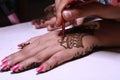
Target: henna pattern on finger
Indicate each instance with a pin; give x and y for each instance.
(53, 66)
(31, 66)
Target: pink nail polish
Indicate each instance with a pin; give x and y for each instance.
(4, 60)
(14, 68)
(21, 44)
(3, 66)
(40, 69)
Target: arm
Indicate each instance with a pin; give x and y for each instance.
(92, 9)
(106, 11)
(49, 51)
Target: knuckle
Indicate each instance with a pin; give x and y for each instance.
(56, 59)
(25, 50)
(38, 58)
(48, 64)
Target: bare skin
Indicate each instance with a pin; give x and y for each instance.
(49, 20)
(75, 15)
(60, 6)
(91, 7)
(54, 51)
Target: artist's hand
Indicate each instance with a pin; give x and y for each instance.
(60, 5)
(73, 16)
(49, 19)
(48, 51)
(50, 24)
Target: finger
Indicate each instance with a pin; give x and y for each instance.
(59, 8)
(23, 44)
(70, 15)
(52, 27)
(39, 23)
(79, 21)
(54, 60)
(38, 26)
(21, 55)
(25, 65)
(36, 21)
(57, 3)
(36, 60)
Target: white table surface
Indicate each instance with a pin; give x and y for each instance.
(102, 65)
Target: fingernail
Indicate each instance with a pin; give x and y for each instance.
(3, 66)
(21, 44)
(14, 68)
(4, 60)
(40, 69)
(67, 15)
(27, 43)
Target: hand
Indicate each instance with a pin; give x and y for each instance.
(48, 50)
(49, 19)
(60, 5)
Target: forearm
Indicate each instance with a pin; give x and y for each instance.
(106, 11)
(108, 33)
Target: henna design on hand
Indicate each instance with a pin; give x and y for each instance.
(72, 40)
(31, 66)
(83, 52)
(92, 25)
(73, 37)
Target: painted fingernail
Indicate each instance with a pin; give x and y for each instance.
(3, 66)
(40, 69)
(14, 68)
(27, 43)
(21, 44)
(4, 60)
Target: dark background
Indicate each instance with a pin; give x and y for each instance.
(26, 10)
